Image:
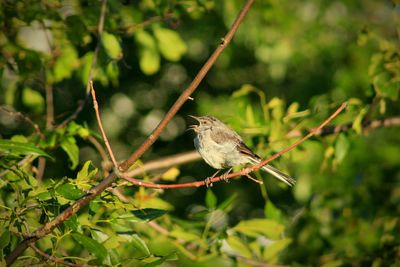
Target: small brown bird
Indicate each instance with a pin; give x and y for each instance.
(222, 148)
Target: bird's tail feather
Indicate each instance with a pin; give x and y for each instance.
(276, 173)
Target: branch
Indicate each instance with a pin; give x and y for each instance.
(188, 91)
(98, 189)
(100, 28)
(100, 124)
(243, 172)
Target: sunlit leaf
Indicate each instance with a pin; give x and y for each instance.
(170, 44)
(111, 45)
(272, 251)
(70, 191)
(171, 174)
(149, 57)
(139, 244)
(211, 199)
(68, 144)
(342, 147)
(256, 227)
(235, 246)
(16, 148)
(65, 64)
(33, 99)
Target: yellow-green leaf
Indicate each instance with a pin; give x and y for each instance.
(257, 227)
(111, 45)
(149, 57)
(170, 44)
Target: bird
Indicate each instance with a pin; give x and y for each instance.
(223, 148)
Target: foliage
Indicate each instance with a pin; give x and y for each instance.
(289, 66)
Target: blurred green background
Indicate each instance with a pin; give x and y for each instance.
(290, 65)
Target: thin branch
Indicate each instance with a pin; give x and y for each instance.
(57, 260)
(25, 118)
(100, 28)
(188, 91)
(98, 189)
(243, 172)
(100, 124)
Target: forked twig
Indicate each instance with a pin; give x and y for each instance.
(100, 124)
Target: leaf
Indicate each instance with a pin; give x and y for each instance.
(111, 45)
(68, 144)
(357, 123)
(18, 148)
(65, 64)
(84, 175)
(211, 199)
(171, 174)
(5, 239)
(91, 245)
(271, 252)
(185, 235)
(256, 227)
(139, 244)
(272, 212)
(170, 44)
(33, 99)
(149, 58)
(229, 203)
(236, 247)
(148, 214)
(342, 147)
(70, 191)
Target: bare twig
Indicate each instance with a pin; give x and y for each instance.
(98, 189)
(100, 28)
(57, 260)
(25, 118)
(100, 124)
(188, 91)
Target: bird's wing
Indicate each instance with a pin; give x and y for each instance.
(220, 136)
(246, 150)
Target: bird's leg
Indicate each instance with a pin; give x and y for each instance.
(208, 182)
(254, 179)
(224, 176)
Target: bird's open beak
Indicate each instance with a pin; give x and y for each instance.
(194, 126)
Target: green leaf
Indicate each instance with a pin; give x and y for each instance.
(229, 203)
(139, 244)
(272, 212)
(386, 86)
(70, 191)
(357, 123)
(257, 227)
(211, 200)
(18, 148)
(65, 64)
(170, 44)
(84, 175)
(91, 245)
(111, 45)
(171, 174)
(237, 247)
(68, 144)
(185, 235)
(33, 99)
(149, 58)
(5, 239)
(148, 214)
(272, 251)
(342, 147)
